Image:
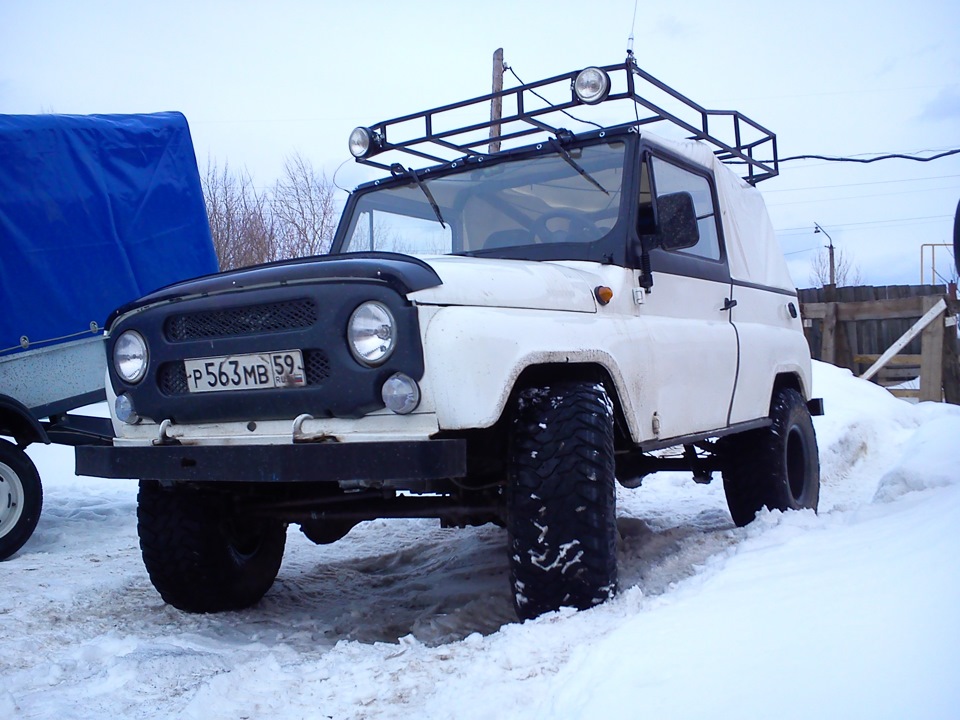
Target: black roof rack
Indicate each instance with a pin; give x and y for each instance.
(461, 129)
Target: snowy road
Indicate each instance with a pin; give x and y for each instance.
(846, 614)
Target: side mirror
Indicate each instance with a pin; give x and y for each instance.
(677, 221)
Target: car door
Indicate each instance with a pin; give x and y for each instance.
(686, 310)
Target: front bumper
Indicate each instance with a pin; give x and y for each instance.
(357, 463)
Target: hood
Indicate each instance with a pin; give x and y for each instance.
(488, 282)
(403, 273)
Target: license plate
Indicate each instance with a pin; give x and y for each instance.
(246, 372)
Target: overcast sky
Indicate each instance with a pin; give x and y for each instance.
(261, 80)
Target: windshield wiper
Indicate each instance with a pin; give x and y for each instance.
(428, 195)
(562, 151)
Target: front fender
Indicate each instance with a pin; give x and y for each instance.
(474, 355)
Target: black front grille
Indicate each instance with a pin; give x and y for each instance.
(231, 322)
(316, 364)
(172, 377)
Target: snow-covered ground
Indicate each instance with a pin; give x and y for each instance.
(852, 613)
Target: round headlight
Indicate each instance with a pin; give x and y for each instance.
(130, 356)
(371, 333)
(362, 142)
(592, 85)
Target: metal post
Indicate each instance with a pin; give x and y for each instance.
(496, 103)
(833, 267)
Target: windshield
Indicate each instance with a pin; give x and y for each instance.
(568, 198)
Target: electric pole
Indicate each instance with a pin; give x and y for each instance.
(496, 103)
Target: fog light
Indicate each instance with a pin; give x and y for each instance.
(592, 85)
(401, 394)
(363, 142)
(124, 410)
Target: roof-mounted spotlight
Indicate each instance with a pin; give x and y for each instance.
(592, 85)
(364, 142)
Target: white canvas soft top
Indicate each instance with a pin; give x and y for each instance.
(753, 252)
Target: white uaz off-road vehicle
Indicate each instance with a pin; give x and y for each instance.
(495, 338)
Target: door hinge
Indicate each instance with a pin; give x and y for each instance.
(638, 295)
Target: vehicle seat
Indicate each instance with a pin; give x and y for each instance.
(507, 238)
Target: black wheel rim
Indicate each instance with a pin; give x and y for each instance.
(796, 462)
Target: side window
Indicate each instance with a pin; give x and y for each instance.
(672, 179)
(645, 223)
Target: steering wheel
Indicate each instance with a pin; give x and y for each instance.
(575, 228)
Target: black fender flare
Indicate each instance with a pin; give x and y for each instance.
(16, 421)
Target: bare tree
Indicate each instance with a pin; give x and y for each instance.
(304, 209)
(241, 221)
(846, 272)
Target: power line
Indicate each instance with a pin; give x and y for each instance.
(797, 252)
(859, 159)
(806, 228)
(859, 197)
(862, 160)
(874, 182)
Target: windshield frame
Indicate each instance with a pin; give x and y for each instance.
(610, 248)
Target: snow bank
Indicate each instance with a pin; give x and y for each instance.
(931, 458)
(863, 433)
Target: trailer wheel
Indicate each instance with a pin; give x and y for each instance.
(777, 467)
(201, 556)
(21, 498)
(561, 500)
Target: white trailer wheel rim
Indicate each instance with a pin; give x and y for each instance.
(11, 499)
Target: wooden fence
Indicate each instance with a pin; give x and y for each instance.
(853, 327)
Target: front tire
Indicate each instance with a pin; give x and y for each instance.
(561, 499)
(202, 556)
(777, 467)
(21, 498)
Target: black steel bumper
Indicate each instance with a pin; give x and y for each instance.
(308, 462)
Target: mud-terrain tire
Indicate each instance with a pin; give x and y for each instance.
(561, 499)
(777, 467)
(202, 557)
(21, 498)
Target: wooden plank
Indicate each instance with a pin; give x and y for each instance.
(900, 359)
(951, 365)
(850, 346)
(813, 310)
(933, 313)
(900, 308)
(895, 376)
(882, 309)
(828, 344)
(866, 331)
(931, 365)
(905, 393)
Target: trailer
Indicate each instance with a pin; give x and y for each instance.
(95, 211)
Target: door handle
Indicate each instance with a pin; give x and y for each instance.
(728, 304)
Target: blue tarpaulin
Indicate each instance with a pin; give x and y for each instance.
(95, 211)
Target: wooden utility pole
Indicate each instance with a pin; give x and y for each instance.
(496, 103)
